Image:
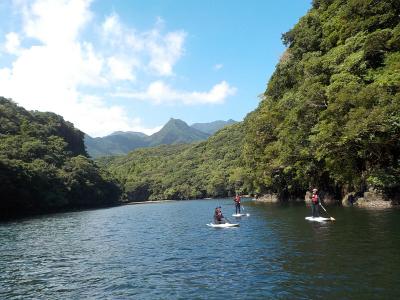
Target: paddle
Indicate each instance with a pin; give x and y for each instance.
(332, 219)
(226, 219)
(244, 213)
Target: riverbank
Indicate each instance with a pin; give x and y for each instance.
(148, 202)
(370, 200)
(174, 200)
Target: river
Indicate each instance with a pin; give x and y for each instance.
(166, 251)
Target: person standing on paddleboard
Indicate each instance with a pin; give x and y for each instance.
(314, 203)
(237, 203)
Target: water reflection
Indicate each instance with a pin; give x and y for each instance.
(165, 251)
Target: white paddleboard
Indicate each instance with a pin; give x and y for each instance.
(240, 215)
(226, 225)
(318, 219)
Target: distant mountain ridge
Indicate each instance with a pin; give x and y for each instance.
(129, 133)
(175, 131)
(212, 127)
(114, 144)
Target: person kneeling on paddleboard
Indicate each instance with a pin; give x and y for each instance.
(314, 203)
(237, 203)
(218, 217)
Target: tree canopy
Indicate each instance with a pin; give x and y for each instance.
(44, 165)
(330, 114)
(185, 171)
(329, 117)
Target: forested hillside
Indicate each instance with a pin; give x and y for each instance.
(330, 116)
(115, 144)
(186, 171)
(44, 165)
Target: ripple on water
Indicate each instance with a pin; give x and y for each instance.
(166, 251)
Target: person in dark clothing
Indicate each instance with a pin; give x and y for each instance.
(218, 217)
(351, 199)
(314, 203)
(237, 203)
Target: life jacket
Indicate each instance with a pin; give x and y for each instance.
(237, 199)
(314, 199)
(218, 215)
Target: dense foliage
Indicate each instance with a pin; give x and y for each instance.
(44, 165)
(185, 171)
(330, 116)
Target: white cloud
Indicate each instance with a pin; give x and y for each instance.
(56, 65)
(158, 52)
(55, 22)
(49, 76)
(218, 67)
(159, 93)
(112, 25)
(109, 119)
(121, 69)
(12, 44)
(165, 52)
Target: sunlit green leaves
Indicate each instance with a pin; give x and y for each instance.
(331, 109)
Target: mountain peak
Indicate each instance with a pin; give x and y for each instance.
(177, 131)
(175, 122)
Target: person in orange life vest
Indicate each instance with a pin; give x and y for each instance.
(237, 203)
(314, 203)
(218, 217)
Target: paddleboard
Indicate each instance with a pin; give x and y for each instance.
(318, 219)
(240, 215)
(226, 225)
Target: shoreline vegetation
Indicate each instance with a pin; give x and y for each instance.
(329, 118)
(149, 202)
(370, 200)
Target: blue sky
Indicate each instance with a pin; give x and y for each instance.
(132, 65)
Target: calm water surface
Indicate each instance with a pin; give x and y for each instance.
(166, 251)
